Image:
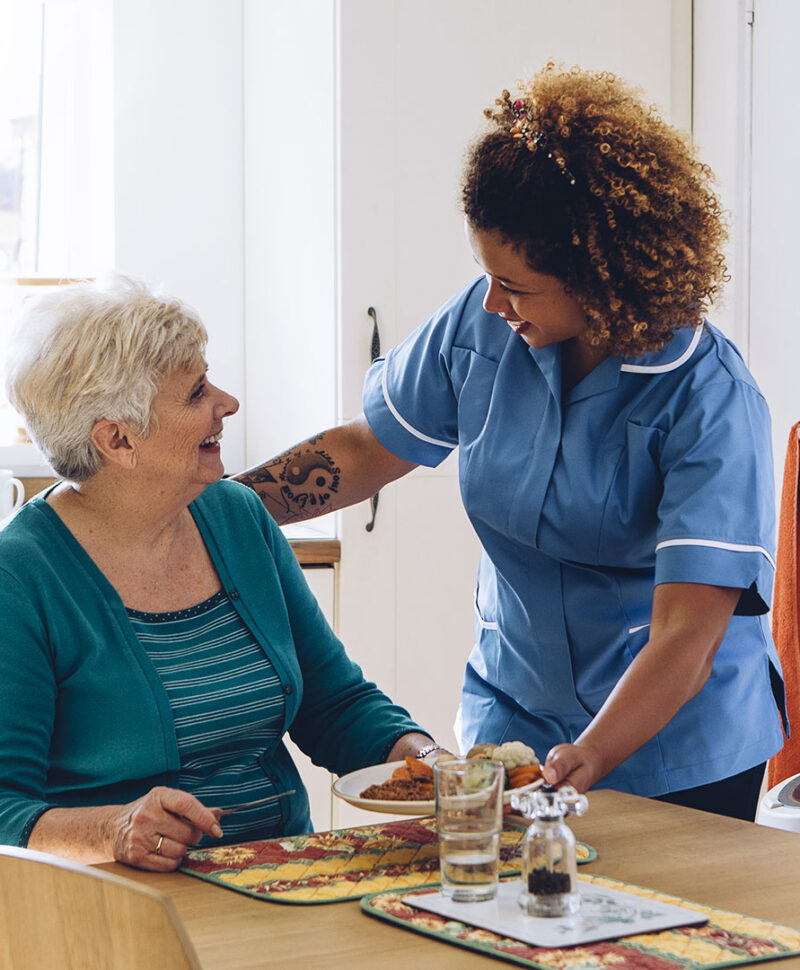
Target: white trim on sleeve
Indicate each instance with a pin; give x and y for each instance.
(714, 544)
(402, 421)
(663, 368)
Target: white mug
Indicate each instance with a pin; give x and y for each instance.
(9, 501)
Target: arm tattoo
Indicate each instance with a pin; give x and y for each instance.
(255, 477)
(298, 484)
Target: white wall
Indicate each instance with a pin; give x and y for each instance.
(179, 169)
(722, 110)
(290, 233)
(775, 249)
(747, 79)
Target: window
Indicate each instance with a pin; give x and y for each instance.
(56, 161)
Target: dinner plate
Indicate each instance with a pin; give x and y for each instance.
(349, 787)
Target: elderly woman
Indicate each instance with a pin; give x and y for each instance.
(613, 454)
(158, 636)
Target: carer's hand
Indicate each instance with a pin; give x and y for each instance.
(579, 765)
(155, 831)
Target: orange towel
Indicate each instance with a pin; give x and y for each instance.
(785, 613)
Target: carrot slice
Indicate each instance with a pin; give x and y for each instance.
(418, 769)
(402, 773)
(523, 775)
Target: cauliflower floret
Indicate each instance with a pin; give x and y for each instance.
(513, 754)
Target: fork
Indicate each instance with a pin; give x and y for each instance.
(256, 803)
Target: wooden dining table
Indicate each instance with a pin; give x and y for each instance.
(704, 858)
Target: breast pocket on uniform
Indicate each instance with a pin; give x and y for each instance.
(476, 379)
(630, 516)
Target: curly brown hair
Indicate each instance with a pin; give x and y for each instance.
(598, 190)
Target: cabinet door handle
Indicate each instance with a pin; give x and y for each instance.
(375, 344)
(373, 507)
(374, 352)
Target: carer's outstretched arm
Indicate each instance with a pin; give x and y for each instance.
(332, 470)
(687, 626)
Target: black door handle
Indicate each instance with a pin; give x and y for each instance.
(374, 351)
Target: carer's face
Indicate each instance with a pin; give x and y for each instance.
(535, 305)
(183, 447)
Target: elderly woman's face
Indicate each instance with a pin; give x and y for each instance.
(534, 305)
(184, 442)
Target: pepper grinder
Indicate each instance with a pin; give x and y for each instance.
(549, 870)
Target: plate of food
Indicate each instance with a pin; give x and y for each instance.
(406, 787)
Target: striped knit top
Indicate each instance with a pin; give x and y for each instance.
(228, 706)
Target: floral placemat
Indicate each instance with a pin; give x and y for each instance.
(728, 939)
(330, 867)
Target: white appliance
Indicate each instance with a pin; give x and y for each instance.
(780, 807)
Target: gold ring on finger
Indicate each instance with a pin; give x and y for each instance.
(158, 845)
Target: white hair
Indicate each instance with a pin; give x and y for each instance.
(88, 351)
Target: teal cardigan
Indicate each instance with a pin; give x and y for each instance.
(84, 717)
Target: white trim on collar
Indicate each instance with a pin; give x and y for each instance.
(663, 368)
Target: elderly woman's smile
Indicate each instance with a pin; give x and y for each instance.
(211, 440)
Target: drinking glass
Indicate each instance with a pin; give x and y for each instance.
(469, 819)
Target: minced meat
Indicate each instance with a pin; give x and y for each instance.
(400, 790)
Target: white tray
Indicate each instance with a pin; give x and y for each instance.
(606, 914)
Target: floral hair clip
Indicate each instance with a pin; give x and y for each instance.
(522, 132)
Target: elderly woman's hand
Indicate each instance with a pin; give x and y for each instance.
(155, 831)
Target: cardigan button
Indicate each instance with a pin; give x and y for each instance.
(233, 595)
(287, 688)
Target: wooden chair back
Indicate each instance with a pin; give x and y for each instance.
(58, 914)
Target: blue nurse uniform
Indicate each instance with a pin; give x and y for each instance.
(651, 470)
